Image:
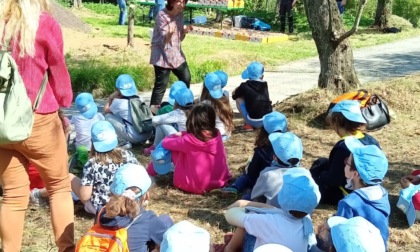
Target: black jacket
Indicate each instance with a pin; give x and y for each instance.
(255, 95)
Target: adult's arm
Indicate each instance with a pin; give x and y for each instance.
(58, 75)
(164, 28)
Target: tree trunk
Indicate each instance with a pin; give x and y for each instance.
(383, 13)
(130, 34)
(77, 3)
(333, 45)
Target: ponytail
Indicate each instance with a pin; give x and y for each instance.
(119, 205)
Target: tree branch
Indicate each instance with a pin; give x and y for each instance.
(355, 25)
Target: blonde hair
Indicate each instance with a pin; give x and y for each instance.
(123, 206)
(104, 158)
(19, 21)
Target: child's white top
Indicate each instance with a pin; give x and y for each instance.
(176, 116)
(280, 228)
(82, 126)
(219, 124)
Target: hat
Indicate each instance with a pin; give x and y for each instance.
(177, 85)
(184, 97)
(126, 85)
(286, 146)
(161, 159)
(299, 191)
(272, 248)
(130, 175)
(370, 161)
(222, 76)
(350, 110)
(405, 202)
(185, 236)
(103, 135)
(254, 71)
(214, 85)
(355, 234)
(275, 121)
(86, 105)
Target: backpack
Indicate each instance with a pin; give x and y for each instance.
(16, 112)
(141, 114)
(373, 108)
(100, 239)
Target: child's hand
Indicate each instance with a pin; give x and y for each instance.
(239, 203)
(412, 179)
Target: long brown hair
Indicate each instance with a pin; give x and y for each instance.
(262, 138)
(201, 122)
(123, 206)
(222, 107)
(338, 120)
(115, 155)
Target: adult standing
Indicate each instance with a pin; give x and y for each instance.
(122, 4)
(167, 55)
(286, 9)
(37, 46)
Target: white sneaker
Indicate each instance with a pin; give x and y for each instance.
(35, 198)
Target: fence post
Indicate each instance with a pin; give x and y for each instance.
(130, 34)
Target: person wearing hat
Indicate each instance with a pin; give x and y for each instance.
(184, 237)
(98, 173)
(365, 169)
(174, 121)
(346, 120)
(118, 112)
(83, 122)
(262, 157)
(288, 151)
(290, 226)
(129, 192)
(212, 93)
(223, 81)
(252, 98)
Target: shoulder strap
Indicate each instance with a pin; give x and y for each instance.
(134, 220)
(41, 91)
(129, 97)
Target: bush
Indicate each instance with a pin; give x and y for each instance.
(408, 9)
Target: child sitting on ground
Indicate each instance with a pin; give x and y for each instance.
(223, 81)
(98, 173)
(263, 154)
(129, 192)
(288, 151)
(346, 120)
(252, 98)
(365, 169)
(119, 113)
(409, 201)
(212, 94)
(198, 154)
(290, 226)
(173, 121)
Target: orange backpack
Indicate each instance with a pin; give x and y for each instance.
(100, 239)
(361, 95)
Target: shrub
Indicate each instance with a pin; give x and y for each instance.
(408, 9)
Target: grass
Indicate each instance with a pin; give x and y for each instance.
(305, 111)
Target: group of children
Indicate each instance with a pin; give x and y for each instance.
(279, 196)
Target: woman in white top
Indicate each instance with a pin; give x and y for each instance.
(119, 115)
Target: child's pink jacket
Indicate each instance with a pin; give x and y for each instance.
(199, 166)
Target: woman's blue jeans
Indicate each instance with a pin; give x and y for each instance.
(123, 12)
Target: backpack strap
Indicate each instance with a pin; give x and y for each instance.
(129, 98)
(41, 91)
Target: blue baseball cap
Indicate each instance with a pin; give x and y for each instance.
(184, 97)
(254, 71)
(355, 234)
(222, 76)
(275, 121)
(214, 85)
(350, 110)
(185, 236)
(126, 85)
(299, 191)
(272, 248)
(104, 138)
(161, 159)
(86, 105)
(286, 146)
(130, 175)
(405, 202)
(370, 161)
(177, 85)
